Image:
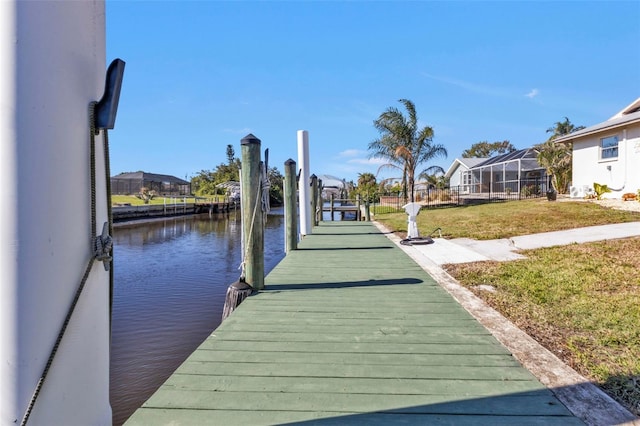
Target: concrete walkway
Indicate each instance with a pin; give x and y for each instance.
(464, 250)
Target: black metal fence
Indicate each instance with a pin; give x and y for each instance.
(462, 195)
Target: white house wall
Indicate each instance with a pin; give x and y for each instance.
(456, 178)
(52, 65)
(621, 174)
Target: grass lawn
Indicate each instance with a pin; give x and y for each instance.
(509, 219)
(580, 301)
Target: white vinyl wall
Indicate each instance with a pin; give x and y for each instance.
(52, 65)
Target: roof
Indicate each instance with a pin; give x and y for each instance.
(466, 162)
(521, 154)
(628, 115)
(329, 181)
(150, 177)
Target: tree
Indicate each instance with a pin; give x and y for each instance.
(437, 180)
(206, 181)
(231, 154)
(556, 157)
(276, 180)
(404, 145)
(561, 128)
(203, 183)
(485, 149)
(367, 186)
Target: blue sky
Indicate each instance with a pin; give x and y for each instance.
(203, 74)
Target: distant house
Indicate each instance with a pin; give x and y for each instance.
(459, 173)
(514, 172)
(131, 183)
(607, 153)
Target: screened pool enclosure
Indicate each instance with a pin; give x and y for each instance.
(516, 172)
(131, 183)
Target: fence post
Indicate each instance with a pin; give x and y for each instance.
(314, 200)
(290, 207)
(358, 215)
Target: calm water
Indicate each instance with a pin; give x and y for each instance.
(170, 281)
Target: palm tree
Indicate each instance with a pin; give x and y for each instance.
(561, 128)
(556, 157)
(404, 145)
(366, 179)
(367, 186)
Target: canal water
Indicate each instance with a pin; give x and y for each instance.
(170, 282)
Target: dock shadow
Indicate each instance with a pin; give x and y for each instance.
(344, 248)
(274, 288)
(536, 407)
(321, 234)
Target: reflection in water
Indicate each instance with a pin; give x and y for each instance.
(170, 281)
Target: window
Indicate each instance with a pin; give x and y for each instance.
(609, 147)
(466, 178)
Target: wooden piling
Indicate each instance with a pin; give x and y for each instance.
(252, 220)
(320, 201)
(314, 200)
(367, 211)
(290, 207)
(331, 206)
(252, 276)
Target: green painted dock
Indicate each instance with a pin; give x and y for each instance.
(350, 330)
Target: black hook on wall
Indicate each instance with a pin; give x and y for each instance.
(107, 107)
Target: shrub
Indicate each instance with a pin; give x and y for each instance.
(600, 190)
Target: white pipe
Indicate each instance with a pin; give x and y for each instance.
(52, 65)
(304, 189)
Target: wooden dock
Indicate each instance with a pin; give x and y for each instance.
(349, 331)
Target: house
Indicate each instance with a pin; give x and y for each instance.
(131, 183)
(514, 172)
(459, 173)
(607, 153)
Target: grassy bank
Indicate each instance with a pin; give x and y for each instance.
(135, 201)
(581, 301)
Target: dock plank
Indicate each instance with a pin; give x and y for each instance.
(350, 330)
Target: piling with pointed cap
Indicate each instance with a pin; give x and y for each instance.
(290, 206)
(252, 277)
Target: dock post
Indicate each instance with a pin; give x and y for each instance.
(358, 214)
(320, 202)
(314, 200)
(290, 207)
(367, 211)
(303, 185)
(331, 206)
(252, 220)
(252, 276)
